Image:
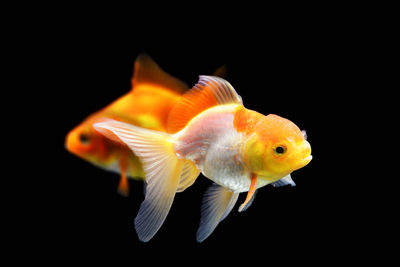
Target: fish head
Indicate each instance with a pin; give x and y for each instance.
(85, 142)
(276, 148)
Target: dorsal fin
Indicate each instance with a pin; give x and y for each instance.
(146, 71)
(208, 92)
(221, 72)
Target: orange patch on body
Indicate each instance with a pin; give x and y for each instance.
(146, 101)
(245, 120)
(274, 128)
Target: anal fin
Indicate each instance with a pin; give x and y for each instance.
(188, 176)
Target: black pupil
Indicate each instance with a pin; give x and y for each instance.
(279, 150)
(84, 138)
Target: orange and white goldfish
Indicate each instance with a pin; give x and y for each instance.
(210, 131)
(147, 105)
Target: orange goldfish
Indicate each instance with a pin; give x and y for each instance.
(210, 131)
(147, 105)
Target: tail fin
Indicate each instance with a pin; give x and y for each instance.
(164, 171)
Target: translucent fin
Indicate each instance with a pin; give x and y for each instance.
(148, 72)
(106, 132)
(248, 204)
(188, 176)
(287, 180)
(304, 133)
(208, 92)
(162, 169)
(217, 204)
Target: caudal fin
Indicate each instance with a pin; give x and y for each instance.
(163, 169)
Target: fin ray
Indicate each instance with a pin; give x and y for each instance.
(188, 176)
(162, 169)
(208, 92)
(218, 202)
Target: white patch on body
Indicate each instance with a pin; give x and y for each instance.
(211, 141)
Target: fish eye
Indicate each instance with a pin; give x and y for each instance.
(84, 139)
(281, 149)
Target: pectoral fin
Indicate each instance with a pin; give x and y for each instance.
(250, 193)
(123, 186)
(248, 204)
(217, 204)
(287, 180)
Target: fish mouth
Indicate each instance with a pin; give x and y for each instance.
(304, 162)
(307, 154)
(307, 160)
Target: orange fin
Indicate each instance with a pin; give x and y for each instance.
(208, 92)
(148, 72)
(221, 72)
(123, 186)
(250, 193)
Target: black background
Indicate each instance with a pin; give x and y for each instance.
(302, 70)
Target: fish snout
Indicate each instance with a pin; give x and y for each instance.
(69, 142)
(306, 153)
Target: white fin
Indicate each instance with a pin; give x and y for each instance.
(284, 181)
(304, 133)
(248, 204)
(217, 204)
(162, 168)
(188, 176)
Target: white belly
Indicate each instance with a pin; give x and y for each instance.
(223, 164)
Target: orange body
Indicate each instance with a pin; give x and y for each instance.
(147, 105)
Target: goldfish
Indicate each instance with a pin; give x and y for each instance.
(154, 93)
(210, 132)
